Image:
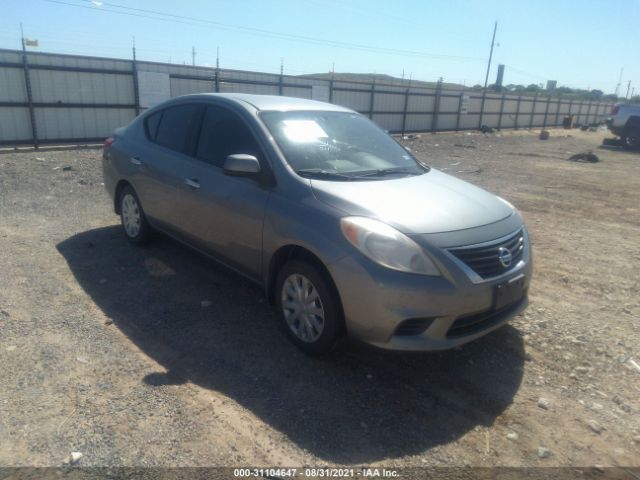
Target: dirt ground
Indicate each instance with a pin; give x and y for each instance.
(107, 350)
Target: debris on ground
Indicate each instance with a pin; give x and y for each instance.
(513, 436)
(410, 137)
(463, 145)
(485, 129)
(74, 458)
(544, 452)
(544, 135)
(543, 403)
(594, 426)
(587, 157)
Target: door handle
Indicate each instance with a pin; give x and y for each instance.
(192, 182)
(135, 160)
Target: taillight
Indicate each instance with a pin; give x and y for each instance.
(615, 109)
(107, 143)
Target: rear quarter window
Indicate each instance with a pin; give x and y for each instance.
(151, 125)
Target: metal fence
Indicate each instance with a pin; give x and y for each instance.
(54, 98)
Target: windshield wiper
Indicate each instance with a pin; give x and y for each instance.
(318, 172)
(391, 171)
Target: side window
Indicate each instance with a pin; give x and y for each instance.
(223, 133)
(176, 126)
(151, 124)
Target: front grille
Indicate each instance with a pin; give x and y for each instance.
(485, 260)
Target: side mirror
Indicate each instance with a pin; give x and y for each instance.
(241, 165)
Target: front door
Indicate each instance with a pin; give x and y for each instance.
(220, 213)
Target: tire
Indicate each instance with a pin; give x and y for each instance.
(321, 322)
(132, 217)
(631, 140)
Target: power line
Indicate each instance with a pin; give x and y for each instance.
(373, 13)
(168, 17)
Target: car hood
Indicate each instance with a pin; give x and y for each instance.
(430, 203)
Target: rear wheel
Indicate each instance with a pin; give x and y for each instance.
(134, 223)
(631, 139)
(308, 308)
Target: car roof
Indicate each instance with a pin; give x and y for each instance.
(272, 102)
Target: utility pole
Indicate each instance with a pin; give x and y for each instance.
(628, 88)
(217, 82)
(134, 68)
(27, 82)
(619, 82)
(493, 41)
(193, 56)
(486, 78)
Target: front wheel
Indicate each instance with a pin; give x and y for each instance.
(134, 223)
(308, 308)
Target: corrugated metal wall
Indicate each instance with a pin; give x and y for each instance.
(68, 98)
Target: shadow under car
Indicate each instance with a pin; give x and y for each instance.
(355, 405)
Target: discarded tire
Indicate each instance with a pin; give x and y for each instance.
(587, 157)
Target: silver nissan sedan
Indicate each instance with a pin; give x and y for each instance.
(348, 233)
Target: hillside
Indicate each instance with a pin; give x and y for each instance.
(378, 77)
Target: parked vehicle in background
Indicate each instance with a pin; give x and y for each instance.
(344, 228)
(625, 123)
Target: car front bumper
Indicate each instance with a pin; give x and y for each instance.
(441, 312)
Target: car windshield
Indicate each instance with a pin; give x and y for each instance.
(339, 146)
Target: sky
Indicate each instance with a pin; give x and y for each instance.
(581, 44)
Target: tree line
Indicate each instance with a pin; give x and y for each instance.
(565, 92)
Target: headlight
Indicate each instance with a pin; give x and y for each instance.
(387, 246)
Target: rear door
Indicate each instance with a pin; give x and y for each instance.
(224, 214)
(171, 138)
